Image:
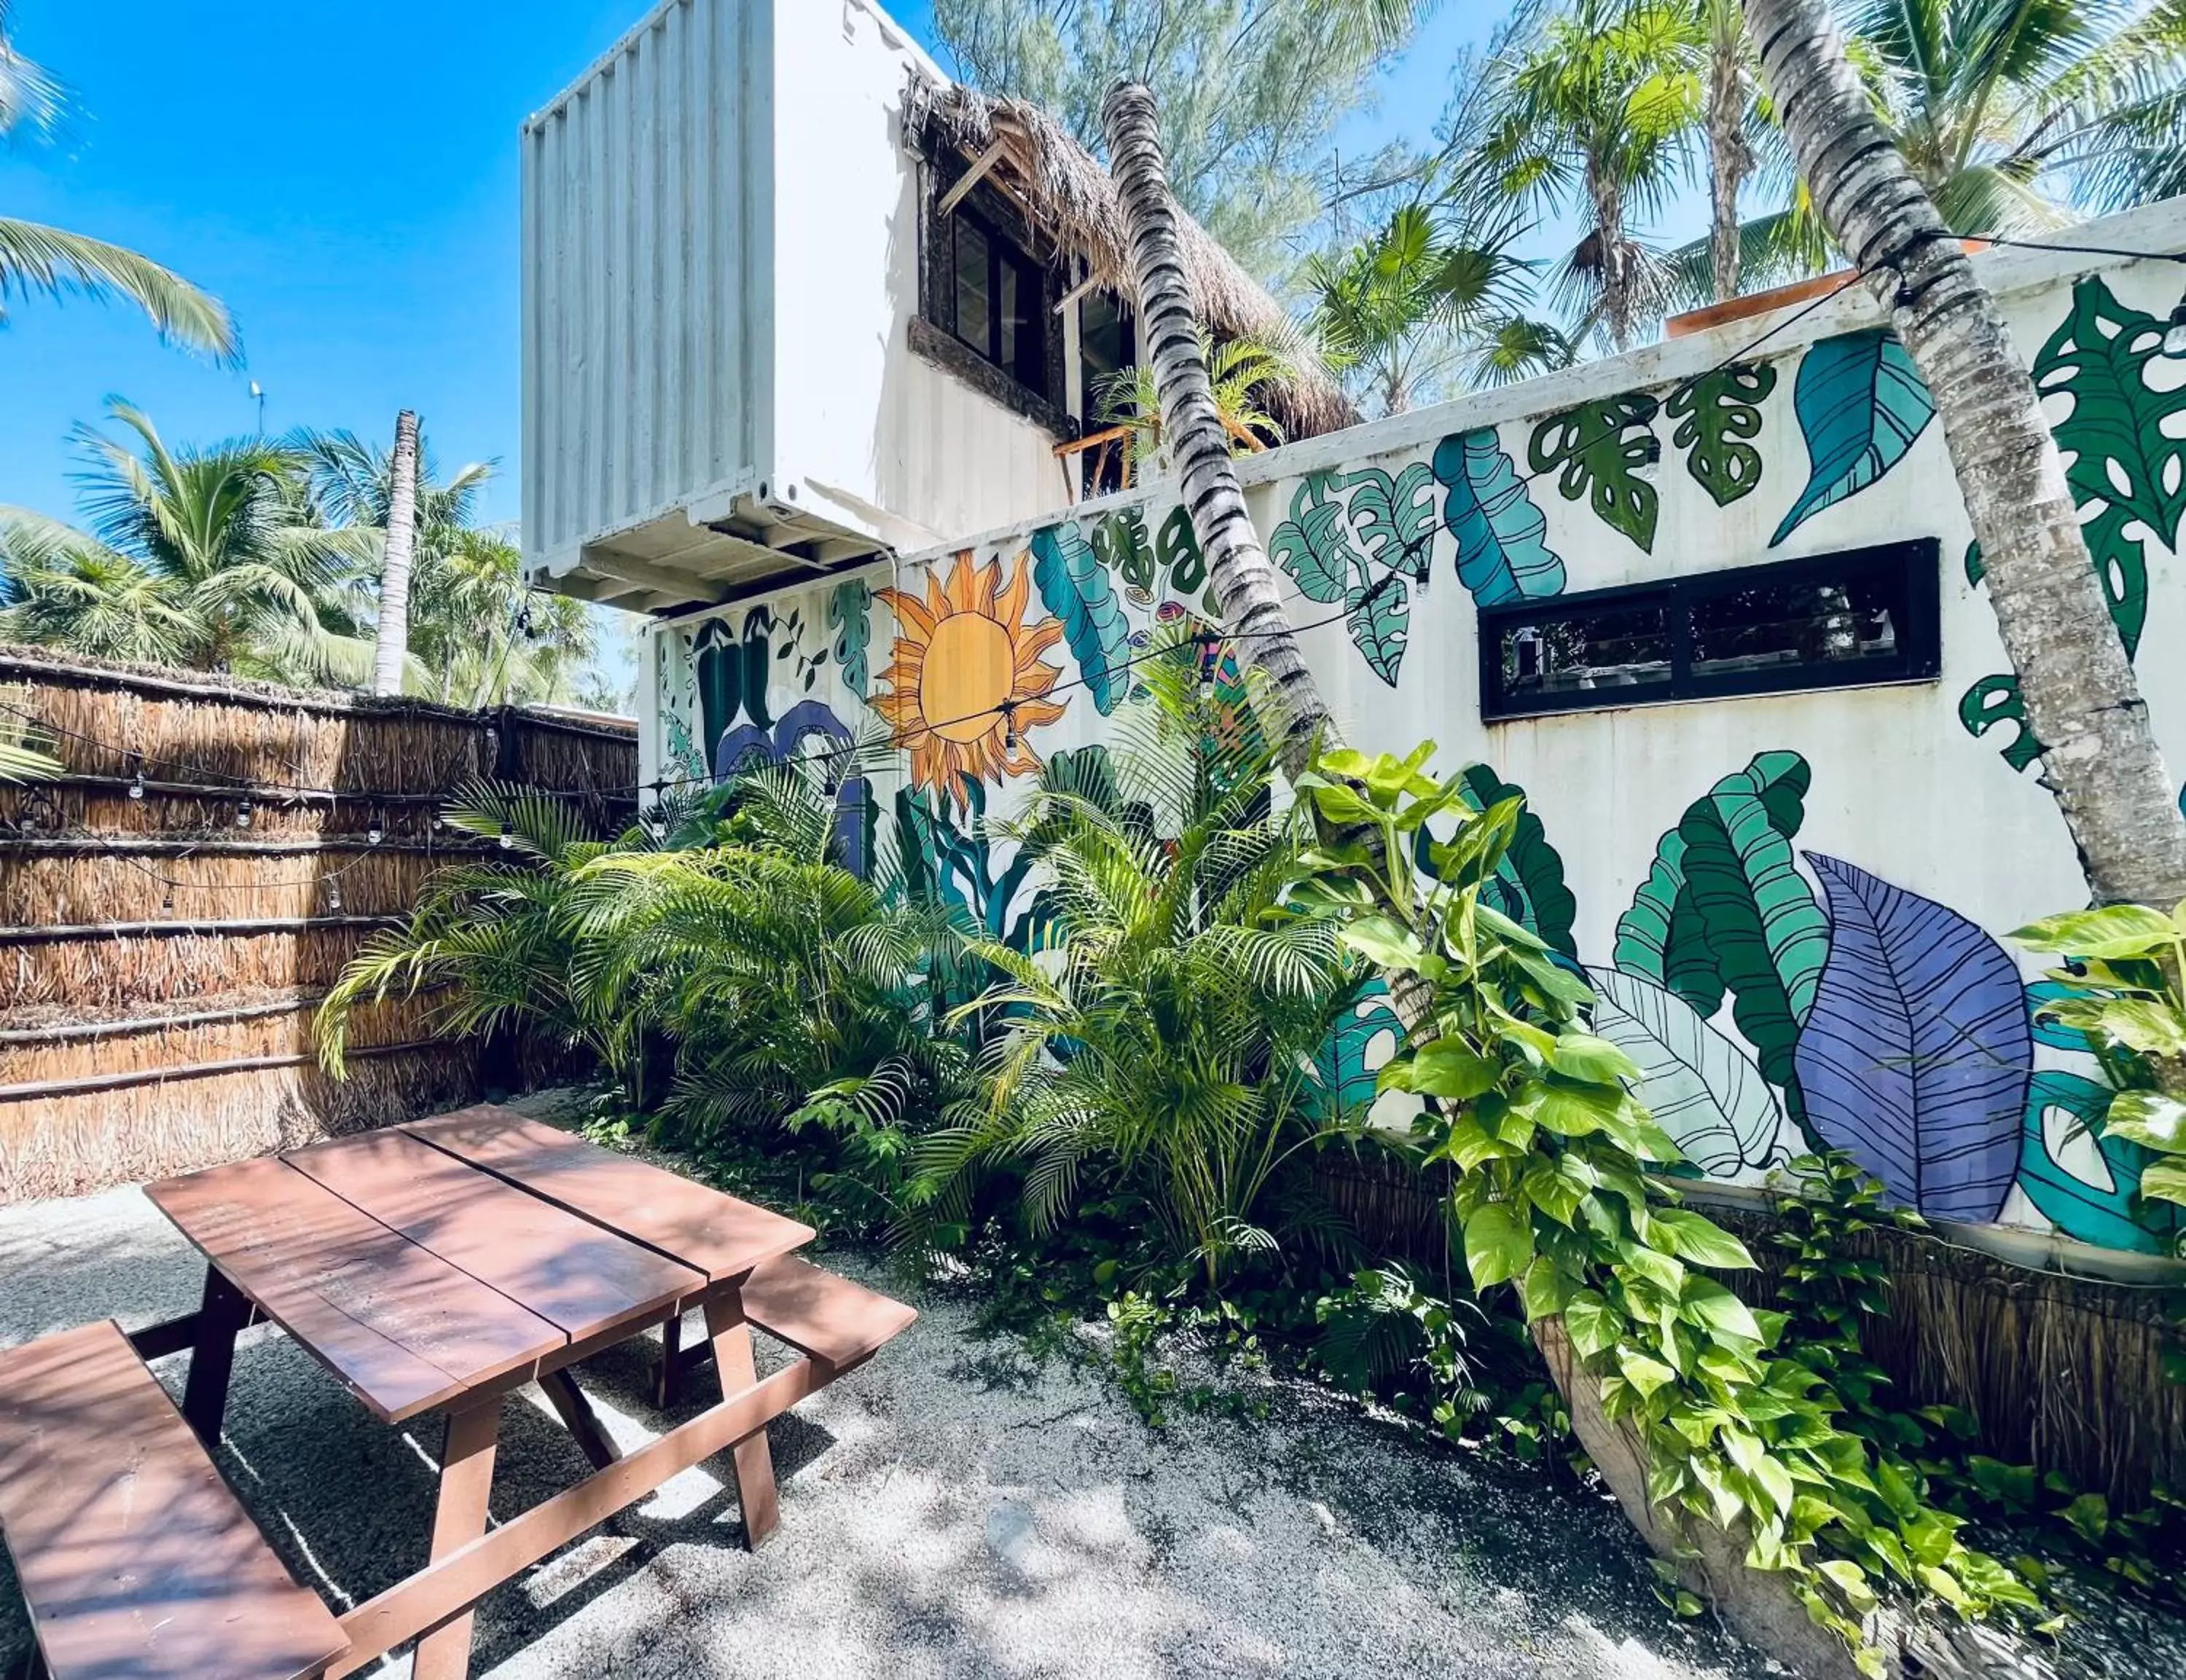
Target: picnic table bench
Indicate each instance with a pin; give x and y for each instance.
(428, 1268)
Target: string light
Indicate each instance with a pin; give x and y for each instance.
(334, 895)
(243, 812)
(136, 785)
(373, 834)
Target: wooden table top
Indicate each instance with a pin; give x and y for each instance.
(422, 1262)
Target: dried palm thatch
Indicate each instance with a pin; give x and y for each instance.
(1066, 192)
(127, 969)
(55, 888)
(69, 1144)
(37, 1048)
(2063, 1373)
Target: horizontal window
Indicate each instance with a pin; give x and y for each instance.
(1867, 615)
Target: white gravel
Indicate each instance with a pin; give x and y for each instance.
(954, 1509)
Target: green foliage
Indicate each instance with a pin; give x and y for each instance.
(1361, 550)
(1861, 405)
(2121, 992)
(1601, 448)
(1159, 1044)
(1501, 552)
(1717, 414)
(1552, 1195)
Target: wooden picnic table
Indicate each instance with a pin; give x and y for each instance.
(435, 1267)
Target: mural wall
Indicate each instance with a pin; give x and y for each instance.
(1789, 905)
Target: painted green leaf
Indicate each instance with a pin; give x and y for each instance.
(1994, 701)
(1120, 541)
(1702, 1089)
(1394, 519)
(2096, 1213)
(1075, 587)
(1601, 448)
(1758, 916)
(1501, 555)
(1314, 546)
(2120, 453)
(1531, 873)
(848, 610)
(1860, 405)
(1717, 414)
(1661, 939)
(1177, 549)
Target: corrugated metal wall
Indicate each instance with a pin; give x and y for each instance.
(648, 265)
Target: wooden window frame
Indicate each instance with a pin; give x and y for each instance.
(1918, 658)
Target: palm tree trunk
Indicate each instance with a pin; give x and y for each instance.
(1616, 279)
(1192, 432)
(393, 644)
(2100, 761)
(1730, 159)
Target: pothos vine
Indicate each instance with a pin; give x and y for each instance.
(1551, 1149)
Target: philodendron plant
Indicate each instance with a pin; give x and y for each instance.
(1551, 1149)
(2120, 990)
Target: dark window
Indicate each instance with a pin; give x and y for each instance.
(1836, 621)
(986, 292)
(1106, 346)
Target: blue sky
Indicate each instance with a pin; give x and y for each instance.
(343, 175)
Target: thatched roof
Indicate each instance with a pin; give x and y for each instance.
(1067, 194)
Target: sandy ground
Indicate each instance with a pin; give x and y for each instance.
(954, 1509)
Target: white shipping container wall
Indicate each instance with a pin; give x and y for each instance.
(1791, 905)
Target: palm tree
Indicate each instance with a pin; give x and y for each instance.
(1727, 115)
(485, 637)
(1236, 369)
(37, 258)
(392, 640)
(211, 549)
(1597, 107)
(2102, 763)
(1398, 303)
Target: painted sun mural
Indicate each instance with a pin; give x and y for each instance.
(966, 681)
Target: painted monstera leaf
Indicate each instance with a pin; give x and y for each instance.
(1719, 415)
(1861, 405)
(2058, 1105)
(1702, 1089)
(1603, 449)
(1348, 1064)
(1916, 1057)
(1076, 588)
(1501, 555)
(2123, 462)
(1315, 546)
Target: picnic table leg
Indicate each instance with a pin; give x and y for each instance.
(579, 1418)
(670, 1382)
(220, 1318)
(466, 1483)
(732, 1359)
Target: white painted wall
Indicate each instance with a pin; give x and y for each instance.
(1900, 789)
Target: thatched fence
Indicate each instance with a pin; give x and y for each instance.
(172, 908)
(2064, 1372)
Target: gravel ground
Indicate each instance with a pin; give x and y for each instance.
(954, 1509)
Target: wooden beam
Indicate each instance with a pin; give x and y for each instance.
(1076, 292)
(677, 586)
(449, 1586)
(971, 178)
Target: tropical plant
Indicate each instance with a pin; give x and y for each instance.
(1236, 369)
(36, 259)
(1160, 1045)
(481, 636)
(391, 631)
(2101, 761)
(1398, 305)
(1519, 348)
(1728, 117)
(207, 555)
(1731, 1456)
(2122, 992)
(1251, 91)
(494, 942)
(1598, 106)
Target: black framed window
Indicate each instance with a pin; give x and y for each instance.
(986, 303)
(1866, 616)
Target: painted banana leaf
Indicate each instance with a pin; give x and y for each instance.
(1501, 553)
(1530, 875)
(1756, 914)
(1702, 1088)
(2104, 1214)
(1861, 405)
(1076, 589)
(1660, 939)
(1917, 1055)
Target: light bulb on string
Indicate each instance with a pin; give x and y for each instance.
(1649, 465)
(2174, 334)
(136, 785)
(334, 895)
(375, 834)
(507, 842)
(1009, 710)
(243, 814)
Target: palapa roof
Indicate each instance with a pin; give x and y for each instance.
(1065, 190)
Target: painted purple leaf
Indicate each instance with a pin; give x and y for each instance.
(1916, 1055)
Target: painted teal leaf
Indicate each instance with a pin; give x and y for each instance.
(1702, 1089)
(1076, 588)
(849, 609)
(1501, 553)
(1860, 405)
(1313, 545)
(1394, 517)
(2104, 1214)
(1379, 622)
(1757, 915)
(1661, 939)
(1347, 1066)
